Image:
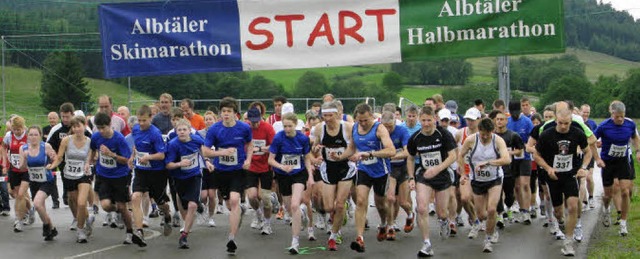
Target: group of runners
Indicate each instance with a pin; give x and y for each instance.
(318, 172)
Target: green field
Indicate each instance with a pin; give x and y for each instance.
(596, 64)
(609, 244)
(23, 94)
(23, 84)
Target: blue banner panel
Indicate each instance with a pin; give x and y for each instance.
(174, 37)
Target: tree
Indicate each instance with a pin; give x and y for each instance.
(311, 84)
(392, 81)
(605, 90)
(569, 87)
(630, 87)
(62, 81)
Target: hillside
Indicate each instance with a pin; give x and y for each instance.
(23, 88)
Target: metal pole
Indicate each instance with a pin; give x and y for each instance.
(504, 91)
(129, 97)
(4, 86)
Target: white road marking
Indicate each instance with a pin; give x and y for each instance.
(153, 235)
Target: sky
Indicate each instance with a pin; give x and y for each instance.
(632, 6)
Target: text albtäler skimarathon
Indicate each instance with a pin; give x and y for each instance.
(181, 24)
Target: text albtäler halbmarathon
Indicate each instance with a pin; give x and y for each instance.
(460, 8)
(152, 26)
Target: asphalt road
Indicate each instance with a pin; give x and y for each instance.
(516, 241)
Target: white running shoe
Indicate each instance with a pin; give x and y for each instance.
(567, 248)
(256, 223)
(320, 224)
(266, 230)
(623, 229)
(74, 225)
(81, 236)
(426, 251)
(310, 234)
(211, 223)
(495, 237)
(488, 248)
(473, 233)
(305, 217)
(577, 234)
(88, 226)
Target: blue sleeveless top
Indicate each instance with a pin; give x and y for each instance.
(375, 167)
(37, 171)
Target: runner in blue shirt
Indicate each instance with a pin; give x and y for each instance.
(232, 140)
(372, 148)
(35, 156)
(112, 170)
(398, 192)
(150, 172)
(184, 159)
(616, 160)
(291, 161)
(521, 165)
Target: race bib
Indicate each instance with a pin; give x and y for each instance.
(292, 160)
(139, 156)
(107, 162)
(563, 163)
(430, 159)
(617, 151)
(328, 151)
(194, 161)
(230, 160)
(259, 143)
(37, 174)
(74, 169)
(485, 174)
(369, 160)
(15, 160)
(397, 161)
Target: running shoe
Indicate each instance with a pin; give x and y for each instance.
(305, 217)
(154, 213)
(320, 224)
(128, 239)
(459, 221)
(74, 225)
(166, 227)
(114, 220)
(32, 215)
(231, 247)
(426, 251)
(533, 213)
(592, 203)
(432, 209)
(280, 214)
(53, 233)
(255, 223)
(488, 247)
(339, 238)
(475, 228)
(107, 219)
(212, 223)
(495, 237)
(408, 224)
(358, 245)
(606, 218)
(17, 226)
(332, 245)
(445, 231)
(138, 238)
(120, 221)
(81, 237)
(500, 222)
(623, 229)
(294, 249)
(526, 218)
(395, 227)
(453, 229)
(182, 242)
(578, 234)
(88, 225)
(266, 230)
(391, 234)
(567, 248)
(176, 221)
(310, 234)
(382, 233)
(617, 222)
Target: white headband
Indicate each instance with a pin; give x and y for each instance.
(329, 110)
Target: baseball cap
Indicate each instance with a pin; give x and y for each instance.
(451, 105)
(287, 108)
(254, 115)
(473, 114)
(444, 114)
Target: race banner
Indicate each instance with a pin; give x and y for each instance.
(176, 37)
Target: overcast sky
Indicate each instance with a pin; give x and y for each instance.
(632, 6)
